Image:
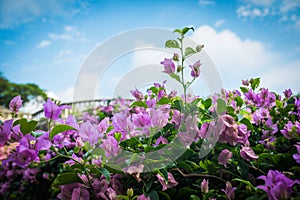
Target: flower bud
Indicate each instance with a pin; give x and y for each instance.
(15, 104)
(204, 186)
(179, 68)
(176, 57)
(130, 192)
(199, 47)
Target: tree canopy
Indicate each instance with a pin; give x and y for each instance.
(28, 91)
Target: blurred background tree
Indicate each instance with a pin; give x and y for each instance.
(28, 91)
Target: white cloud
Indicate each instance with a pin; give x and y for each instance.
(70, 33)
(247, 11)
(260, 2)
(289, 5)
(237, 59)
(220, 22)
(284, 10)
(14, 13)
(206, 2)
(44, 44)
(65, 95)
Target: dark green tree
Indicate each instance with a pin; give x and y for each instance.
(28, 91)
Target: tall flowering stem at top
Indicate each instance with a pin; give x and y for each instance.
(178, 74)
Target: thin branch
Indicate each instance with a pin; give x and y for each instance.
(198, 175)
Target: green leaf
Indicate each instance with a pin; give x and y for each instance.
(194, 197)
(245, 182)
(186, 29)
(178, 105)
(189, 51)
(239, 101)
(178, 31)
(244, 89)
(139, 104)
(98, 151)
(207, 103)
(25, 126)
(105, 173)
(152, 194)
(221, 106)
(163, 101)
(59, 129)
(134, 158)
(247, 123)
(171, 44)
(123, 197)
(165, 195)
(243, 169)
(118, 136)
(164, 173)
(255, 83)
(175, 76)
(66, 178)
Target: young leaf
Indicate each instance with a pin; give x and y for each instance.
(139, 104)
(59, 129)
(171, 44)
(186, 29)
(175, 76)
(189, 51)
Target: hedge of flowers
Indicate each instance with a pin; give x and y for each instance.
(240, 144)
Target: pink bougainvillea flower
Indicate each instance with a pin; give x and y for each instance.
(15, 104)
(74, 191)
(248, 154)
(110, 145)
(168, 65)
(229, 191)
(224, 157)
(143, 197)
(204, 186)
(171, 181)
(138, 95)
(287, 93)
(297, 156)
(53, 111)
(277, 185)
(89, 132)
(5, 129)
(195, 69)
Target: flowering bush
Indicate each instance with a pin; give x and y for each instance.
(238, 144)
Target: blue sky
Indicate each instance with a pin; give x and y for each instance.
(46, 42)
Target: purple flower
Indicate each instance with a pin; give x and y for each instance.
(204, 186)
(224, 157)
(138, 95)
(245, 82)
(277, 185)
(287, 93)
(160, 140)
(248, 154)
(110, 145)
(291, 130)
(229, 191)
(73, 191)
(141, 119)
(52, 111)
(143, 197)
(297, 156)
(171, 181)
(89, 132)
(195, 69)
(5, 131)
(168, 65)
(15, 104)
